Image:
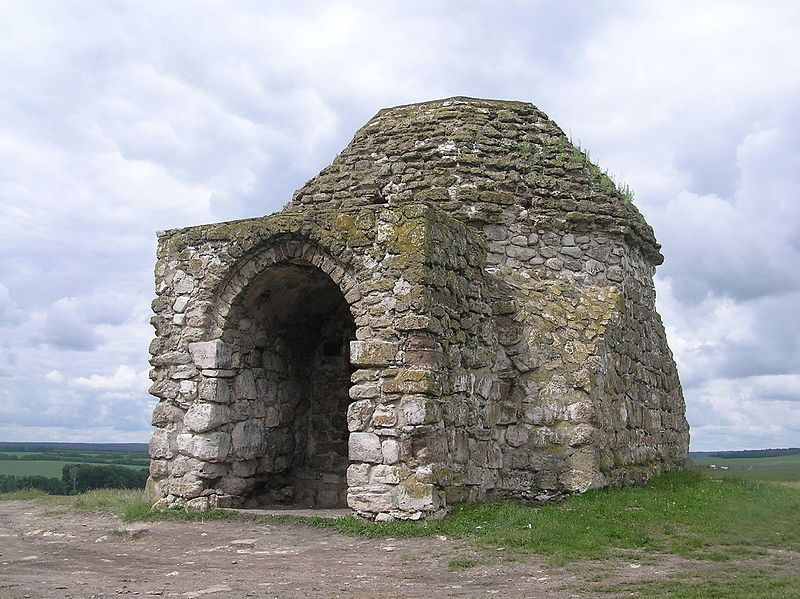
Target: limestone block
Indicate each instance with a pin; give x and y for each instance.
(187, 389)
(418, 322)
(211, 447)
(162, 444)
(554, 263)
(180, 303)
(460, 447)
(272, 417)
(159, 469)
(215, 389)
(250, 439)
(520, 253)
(245, 385)
(373, 353)
(365, 447)
(358, 414)
(430, 446)
(372, 498)
(165, 415)
(390, 449)
(183, 465)
(517, 435)
(579, 481)
(583, 434)
(153, 490)
(184, 283)
(182, 372)
(357, 474)
(583, 473)
(365, 391)
(414, 496)
(384, 474)
(384, 416)
(202, 417)
(415, 409)
(581, 411)
(186, 486)
(495, 232)
(413, 380)
(211, 354)
(593, 266)
(199, 504)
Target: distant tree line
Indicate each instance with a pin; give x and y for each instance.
(85, 477)
(28, 446)
(78, 478)
(48, 484)
(755, 453)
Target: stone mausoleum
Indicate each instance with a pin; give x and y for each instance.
(460, 306)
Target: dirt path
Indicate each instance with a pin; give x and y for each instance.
(89, 555)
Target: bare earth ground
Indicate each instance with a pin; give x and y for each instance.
(49, 554)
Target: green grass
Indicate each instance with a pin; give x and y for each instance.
(462, 563)
(128, 504)
(24, 495)
(780, 468)
(682, 513)
(743, 583)
(143, 512)
(51, 468)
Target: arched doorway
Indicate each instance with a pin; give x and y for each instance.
(293, 326)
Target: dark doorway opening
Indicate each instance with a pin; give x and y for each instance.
(298, 327)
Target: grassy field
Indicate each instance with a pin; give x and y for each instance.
(782, 468)
(47, 459)
(50, 468)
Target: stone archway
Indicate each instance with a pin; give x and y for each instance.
(290, 326)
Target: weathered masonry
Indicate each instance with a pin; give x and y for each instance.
(460, 306)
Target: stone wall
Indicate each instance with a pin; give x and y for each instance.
(460, 306)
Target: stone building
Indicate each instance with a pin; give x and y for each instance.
(460, 306)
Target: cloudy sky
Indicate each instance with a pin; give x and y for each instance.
(121, 118)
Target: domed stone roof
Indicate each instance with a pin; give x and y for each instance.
(483, 161)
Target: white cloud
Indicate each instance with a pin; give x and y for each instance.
(141, 116)
(746, 412)
(54, 376)
(124, 378)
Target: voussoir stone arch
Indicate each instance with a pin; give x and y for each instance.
(276, 251)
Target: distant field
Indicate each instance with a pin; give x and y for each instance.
(45, 467)
(782, 468)
(48, 459)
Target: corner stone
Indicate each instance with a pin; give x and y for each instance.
(211, 354)
(211, 447)
(365, 447)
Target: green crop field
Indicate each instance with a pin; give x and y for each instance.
(48, 459)
(785, 468)
(43, 467)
